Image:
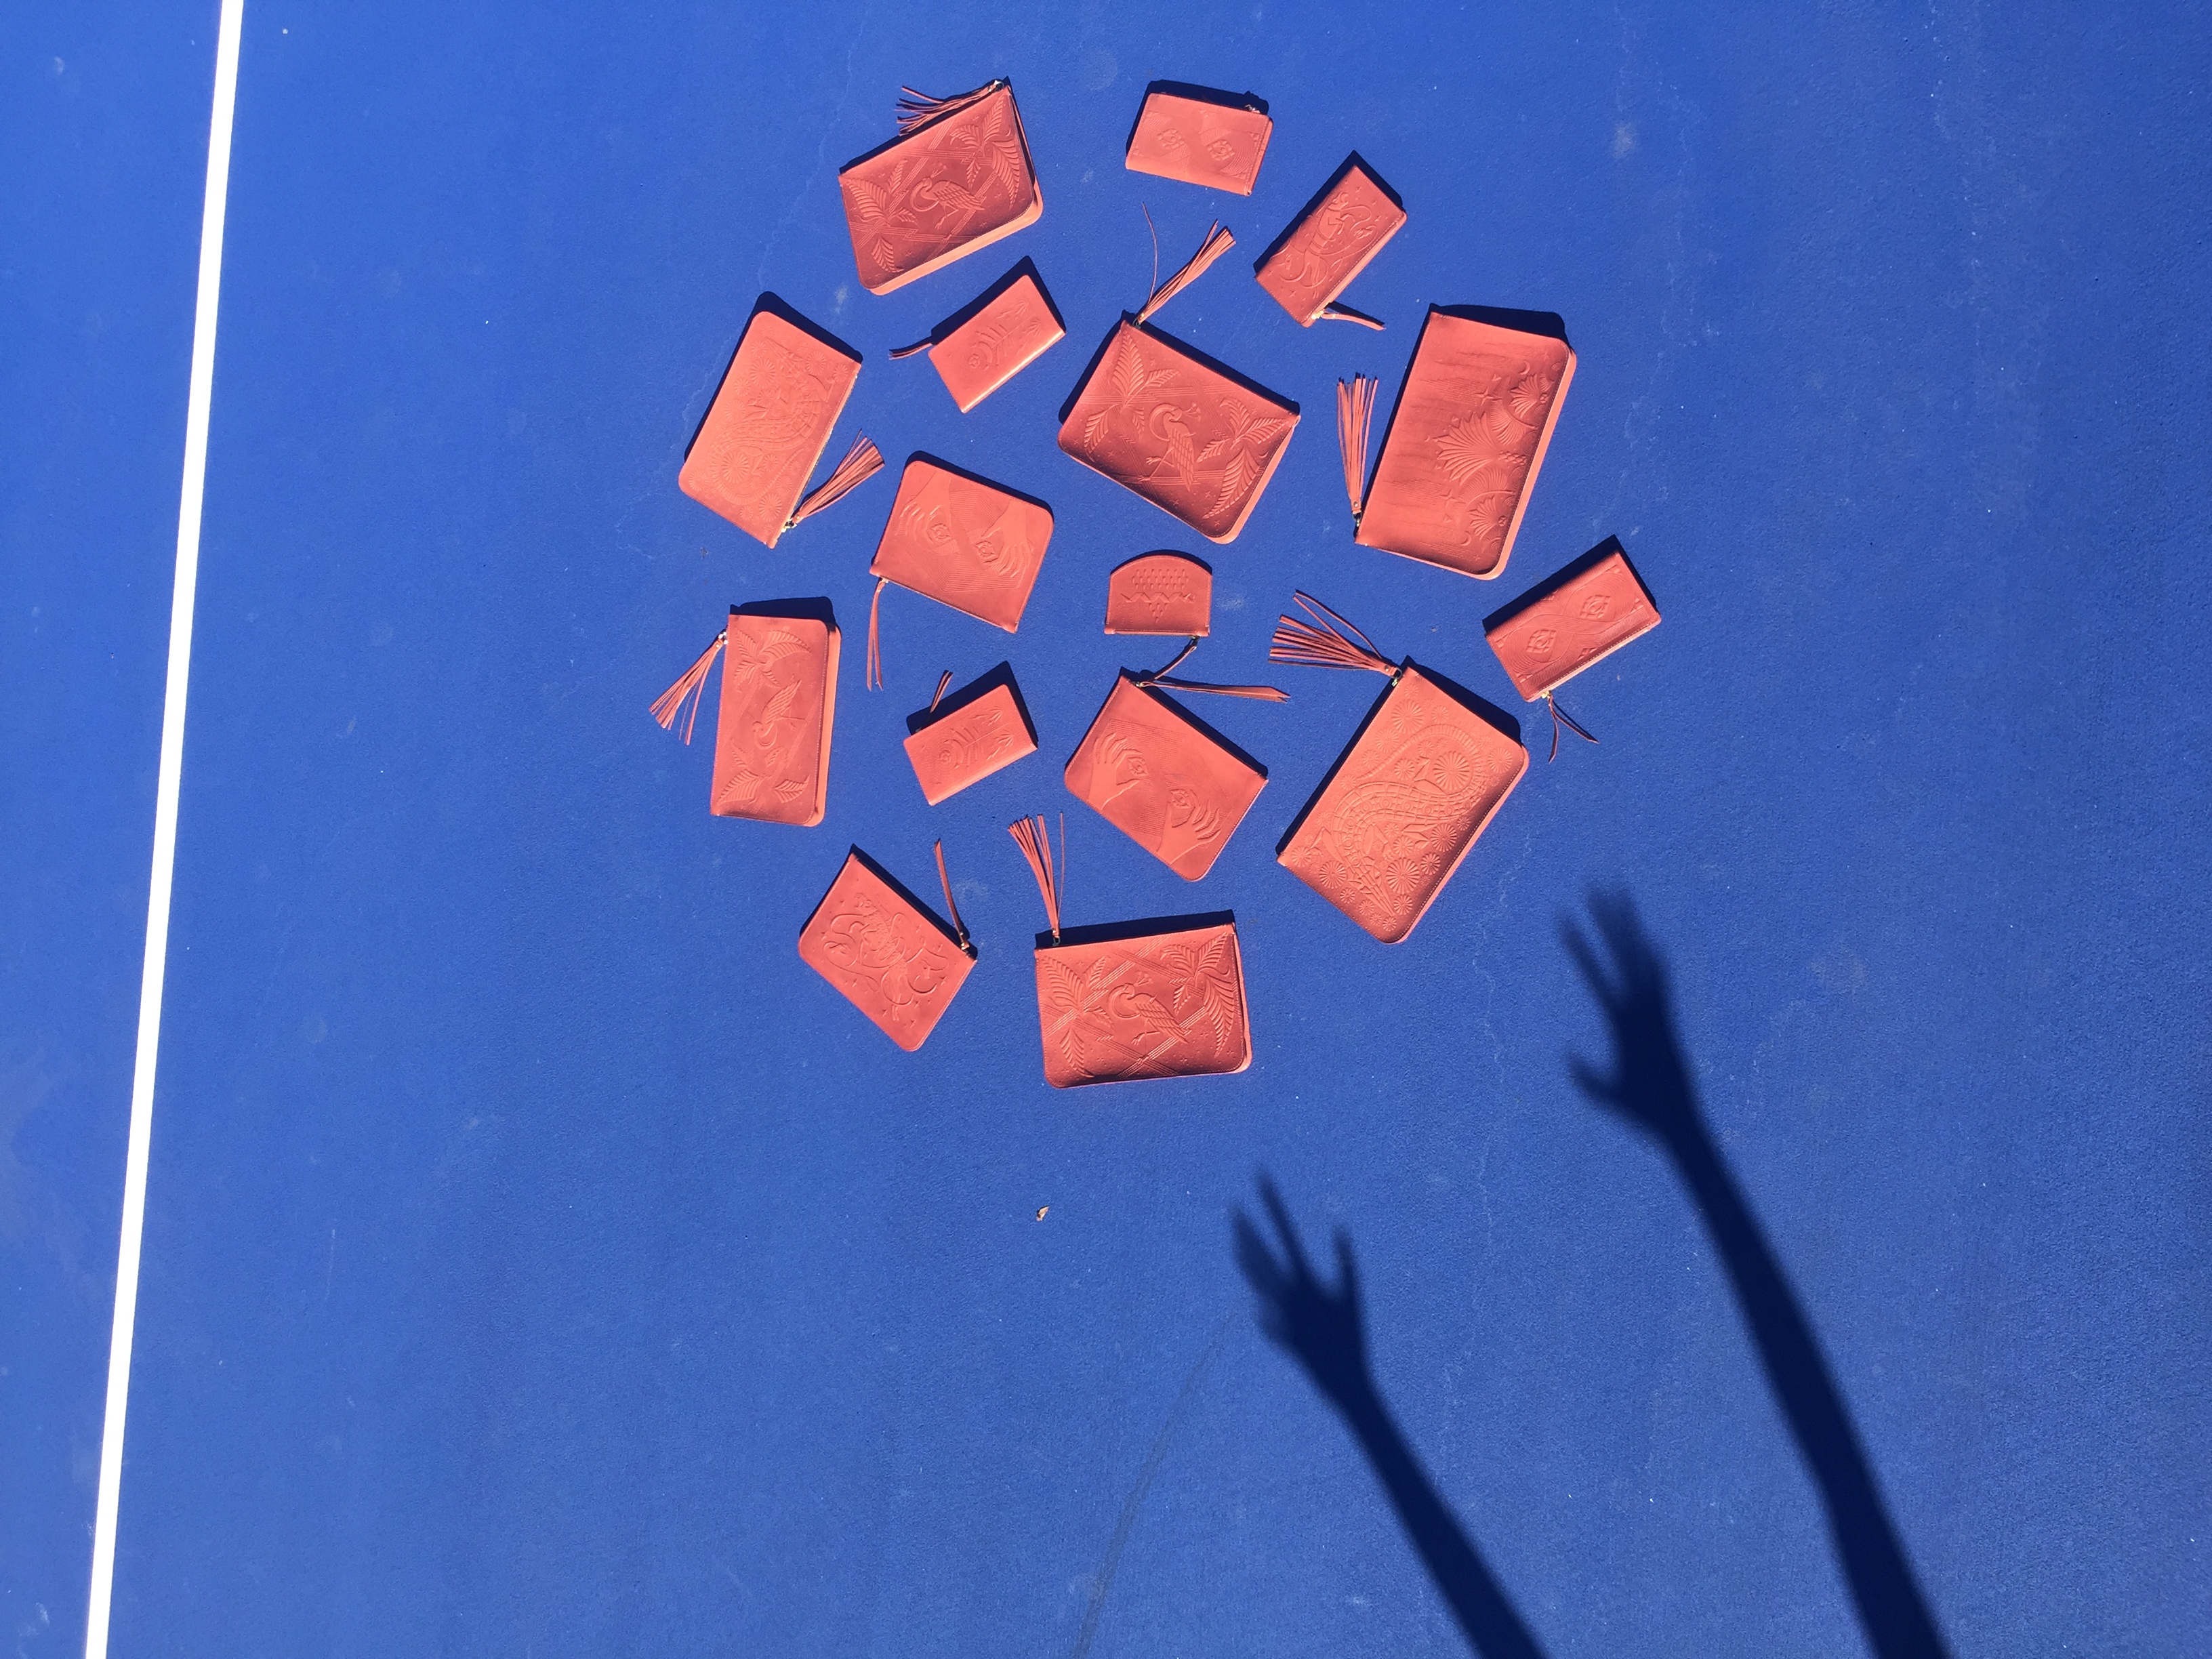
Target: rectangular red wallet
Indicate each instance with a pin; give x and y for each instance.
(778, 710)
(957, 178)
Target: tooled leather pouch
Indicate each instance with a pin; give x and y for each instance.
(1161, 775)
(1417, 784)
(1568, 622)
(960, 540)
(1120, 1004)
(1330, 243)
(1189, 434)
(1200, 135)
(778, 710)
(888, 953)
(993, 337)
(1169, 593)
(982, 728)
(770, 421)
(1474, 415)
(957, 178)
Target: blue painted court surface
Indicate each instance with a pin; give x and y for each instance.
(540, 1260)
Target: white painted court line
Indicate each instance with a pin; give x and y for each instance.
(165, 828)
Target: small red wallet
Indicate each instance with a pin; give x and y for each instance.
(886, 951)
(1161, 594)
(957, 178)
(1560, 627)
(984, 728)
(778, 710)
(1403, 805)
(993, 337)
(1474, 415)
(1200, 137)
(1158, 998)
(1330, 243)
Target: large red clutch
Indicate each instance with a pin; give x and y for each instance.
(957, 178)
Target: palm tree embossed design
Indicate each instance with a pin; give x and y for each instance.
(1323, 1328)
(1137, 1004)
(1648, 1088)
(1485, 453)
(1246, 445)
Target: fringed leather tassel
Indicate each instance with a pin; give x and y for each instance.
(1355, 412)
(1029, 835)
(861, 463)
(1334, 643)
(690, 688)
(959, 926)
(1218, 242)
(1337, 313)
(874, 677)
(918, 108)
(1159, 678)
(1559, 716)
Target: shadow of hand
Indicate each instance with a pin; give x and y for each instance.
(1649, 1086)
(1321, 1328)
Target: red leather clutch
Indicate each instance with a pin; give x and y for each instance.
(886, 951)
(960, 540)
(1158, 998)
(778, 710)
(957, 178)
(1405, 803)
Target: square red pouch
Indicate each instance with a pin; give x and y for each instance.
(1161, 594)
(957, 178)
(1474, 415)
(1585, 613)
(778, 710)
(770, 422)
(1331, 242)
(960, 540)
(1201, 136)
(1405, 803)
(1190, 435)
(887, 952)
(993, 337)
(1162, 777)
(982, 728)
(1158, 998)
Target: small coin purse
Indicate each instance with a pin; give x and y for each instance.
(886, 951)
(960, 540)
(1403, 805)
(1201, 136)
(778, 710)
(984, 728)
(1162, 776)
(1330, 243)
(993, 337)
(957, 178)
(770, 422)
(1190, 435)
(1161, 594)
(1563, 625)
(1158, 998)
(1474, 415)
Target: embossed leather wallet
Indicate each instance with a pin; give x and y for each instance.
(770, 422)
(983, 728)
(778, 710)
(1405, 803)
(1117, 1004)
(886, 951)
(1201, 136)
(993, 337)
(1161, 594)
(1331, 242)
(1577, 618)
(960, 540)
(1190, 435)
(1474, 415)
(957, 178)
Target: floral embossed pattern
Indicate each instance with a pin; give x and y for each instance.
(1188, 440)
(951, 187)
(769, 425)
(1465, 443)
(1160, 593)
(1160, 1004)
(968, 744)
(1199, 141)
(1000, 340)
(897, 965)
(964, 542)
(1406, 802)
(1331, 243)
(1161, 780)
(1546, 643)
(779, 703)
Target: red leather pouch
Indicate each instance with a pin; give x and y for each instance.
(1330, 243)
(981, 728)
(1197, 135)
(960, 540)
(1161, 594)
(993, 337)
(778, 710)
(957, 178)
(886, 951)
(1569, 623)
